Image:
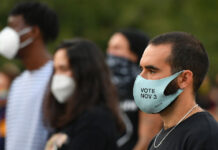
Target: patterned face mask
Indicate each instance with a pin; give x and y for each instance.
(124, 73)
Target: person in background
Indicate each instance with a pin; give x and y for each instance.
(173, 66)
(213, 95)
(81, 105)
(31, 25)
(124, 51)
(203, 96)
(7, 74)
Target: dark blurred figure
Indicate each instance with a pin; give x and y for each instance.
(7, 73)
(214, 97)
(81, 106)
(203, 98)
(31, 25)
(207, 97)
(124, 52)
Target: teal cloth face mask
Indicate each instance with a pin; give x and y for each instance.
(149, 94)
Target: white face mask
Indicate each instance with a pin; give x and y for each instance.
(10, 41)
(62, 87)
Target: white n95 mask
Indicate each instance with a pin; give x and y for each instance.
(10, 41)
(149, 94)
(62, 87)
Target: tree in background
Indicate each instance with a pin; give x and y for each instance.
(98, 19)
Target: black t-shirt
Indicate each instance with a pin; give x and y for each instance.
(198, 132)
(131, 119)
(93, 130)
(124, 73)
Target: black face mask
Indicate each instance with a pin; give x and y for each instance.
(124, 73)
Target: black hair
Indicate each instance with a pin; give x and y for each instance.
(187, 53)
(93, 84)
(137, 39)
(39, 14)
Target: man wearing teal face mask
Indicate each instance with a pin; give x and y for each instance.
(173, 67)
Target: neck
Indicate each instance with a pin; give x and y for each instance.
(178, 109)
(35, 56)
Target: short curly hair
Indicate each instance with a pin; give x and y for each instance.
(39, 14)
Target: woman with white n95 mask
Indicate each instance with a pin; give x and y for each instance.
(81, 105)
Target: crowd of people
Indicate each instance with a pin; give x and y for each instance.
(83, 99)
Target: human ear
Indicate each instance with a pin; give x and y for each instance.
(185, 79)
(36, 32)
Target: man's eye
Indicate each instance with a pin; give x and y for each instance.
(152, 71)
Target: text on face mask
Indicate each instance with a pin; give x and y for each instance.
(148, 93)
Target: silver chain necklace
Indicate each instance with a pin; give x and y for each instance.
(156, 146)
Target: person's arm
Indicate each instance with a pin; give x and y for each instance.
(149, 126)
(56, 141)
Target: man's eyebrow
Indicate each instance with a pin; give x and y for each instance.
(151, 67)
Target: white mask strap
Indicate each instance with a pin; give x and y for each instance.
(26, 43)
(24, 31)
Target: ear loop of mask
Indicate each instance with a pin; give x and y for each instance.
(28, 41)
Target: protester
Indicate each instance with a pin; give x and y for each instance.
(213, 96)
(203, 98)
(173, 67)
(31, 25)
(124, 51)
(81, 106)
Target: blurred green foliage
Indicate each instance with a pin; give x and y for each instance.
(98, 19)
